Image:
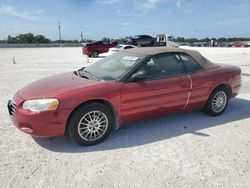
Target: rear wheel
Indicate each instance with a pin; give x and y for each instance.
(91, 124)
(95, 53)
(217, 101)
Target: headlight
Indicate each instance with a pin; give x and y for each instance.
(38, 105)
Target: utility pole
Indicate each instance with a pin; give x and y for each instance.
(59, 30)
(81, 37)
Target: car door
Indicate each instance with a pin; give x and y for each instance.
(147, 40)
(201, 82)
(165, 89)
(105, 46)
(98, 47)
(140, 40)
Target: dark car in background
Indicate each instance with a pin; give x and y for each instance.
(141, 40)
(224, 44)
(96, 48)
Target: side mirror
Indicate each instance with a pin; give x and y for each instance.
(139, 75)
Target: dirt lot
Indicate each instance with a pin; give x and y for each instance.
(184, 150)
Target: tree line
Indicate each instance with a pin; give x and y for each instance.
(27, 38)
(31, 38)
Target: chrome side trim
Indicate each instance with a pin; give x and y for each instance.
(189, 93)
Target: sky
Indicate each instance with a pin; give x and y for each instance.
(119, 18)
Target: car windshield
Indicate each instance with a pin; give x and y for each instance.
(118, 46)
(113, 66)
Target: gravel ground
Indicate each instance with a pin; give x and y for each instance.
(184, 150)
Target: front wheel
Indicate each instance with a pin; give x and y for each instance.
(91, 124)
(217, 102)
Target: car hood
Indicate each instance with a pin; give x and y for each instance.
(56, 85)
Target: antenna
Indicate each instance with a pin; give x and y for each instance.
(59, 30)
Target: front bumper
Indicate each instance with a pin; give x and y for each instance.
(45, 124)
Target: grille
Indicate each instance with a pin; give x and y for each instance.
(12, 108)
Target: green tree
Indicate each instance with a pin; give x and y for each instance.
(222, 39)
(206, 40)
(41, 39)
(106, 39)
(121, 41)
(180, 39)
(11, 39)
(88, 40)
(25, 38)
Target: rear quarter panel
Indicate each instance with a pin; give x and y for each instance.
(229, 74)
(203, 83)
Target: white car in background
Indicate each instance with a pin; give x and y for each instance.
(121, 47)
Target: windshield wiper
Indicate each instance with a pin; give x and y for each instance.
(81, 73)
(89, 74)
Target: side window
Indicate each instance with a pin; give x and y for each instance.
(128, 47)
(170, 64)
(105, 43)
(147, 36)
(190, 64)
(163, 66)
(98, 43)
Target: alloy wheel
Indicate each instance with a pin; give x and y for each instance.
(93, 125)
(219, 101)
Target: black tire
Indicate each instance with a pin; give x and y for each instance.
(209, 109)
(95, 53)
(78, 117)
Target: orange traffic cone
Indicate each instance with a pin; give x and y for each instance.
(13, 61)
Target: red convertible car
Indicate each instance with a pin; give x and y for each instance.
(127, 86)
